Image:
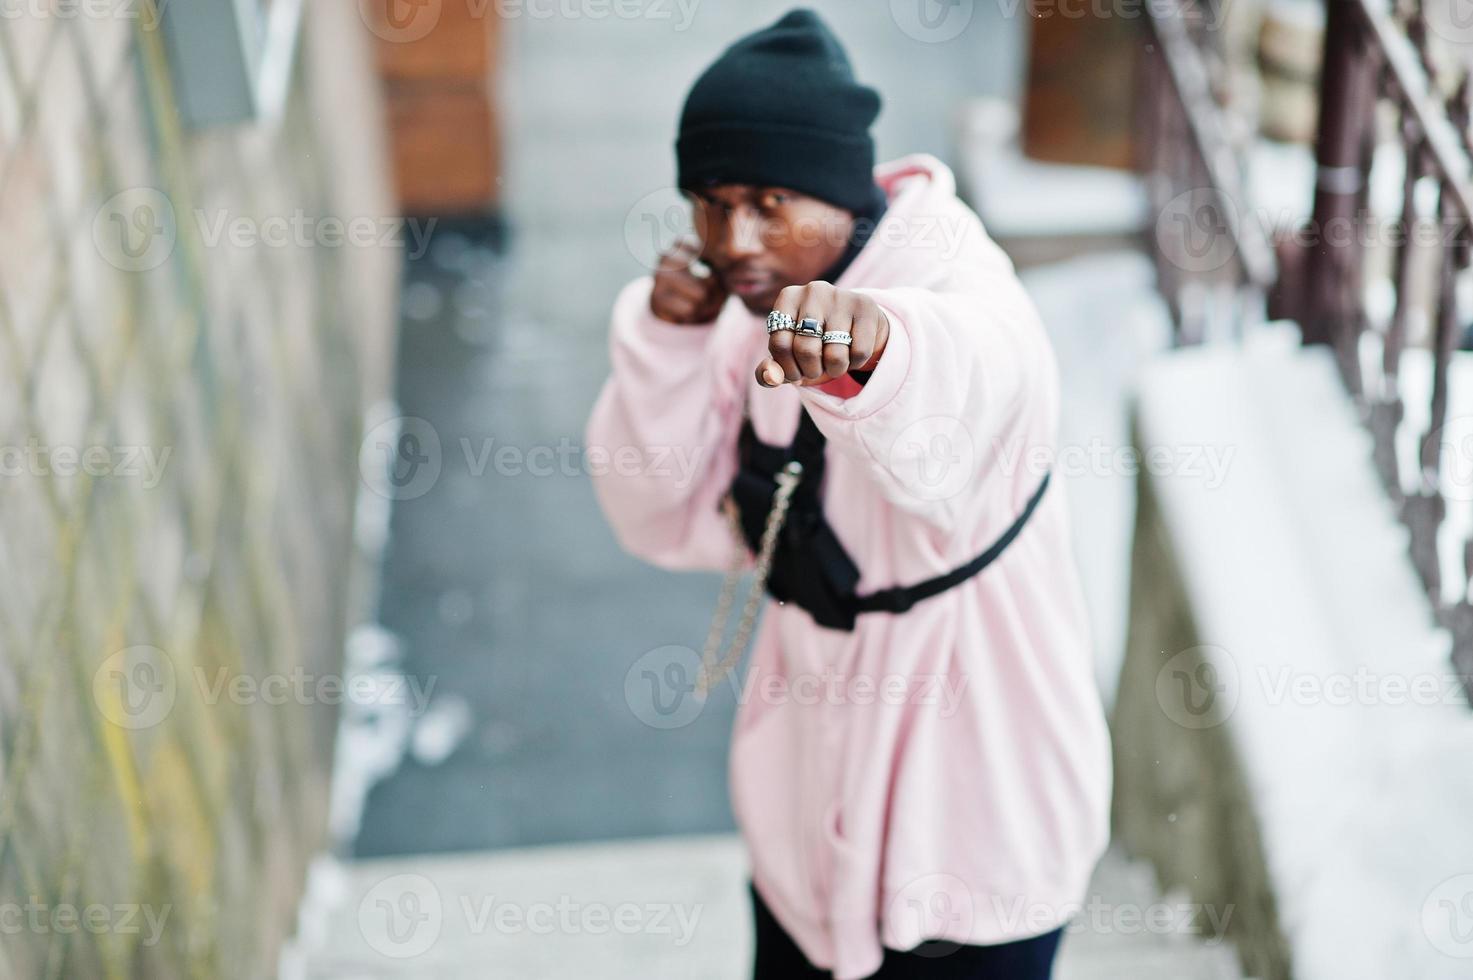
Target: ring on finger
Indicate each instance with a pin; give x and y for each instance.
(778, 320)
(810, 327)
(837, 337)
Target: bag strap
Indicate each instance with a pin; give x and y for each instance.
(902, 597)
(807, 448)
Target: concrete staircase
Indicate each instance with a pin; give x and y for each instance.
(653, 909)
(1129, 930)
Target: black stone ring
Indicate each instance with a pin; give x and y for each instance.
(810, 327)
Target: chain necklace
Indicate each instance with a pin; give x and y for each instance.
(787, 482)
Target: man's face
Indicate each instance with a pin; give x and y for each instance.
(757, 240)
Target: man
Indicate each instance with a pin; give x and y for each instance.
(920, 766)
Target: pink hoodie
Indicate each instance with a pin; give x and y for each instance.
(941, 773)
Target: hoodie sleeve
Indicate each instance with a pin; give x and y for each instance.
(661, 439)
(965, 394)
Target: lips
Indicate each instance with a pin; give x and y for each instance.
(749, 284)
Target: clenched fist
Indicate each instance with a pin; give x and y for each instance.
(793, 358)
(681, 296)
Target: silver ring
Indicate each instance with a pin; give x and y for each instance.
(778, 320)
(810, 326)
(837, 337)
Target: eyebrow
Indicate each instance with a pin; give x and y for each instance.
(757, 194)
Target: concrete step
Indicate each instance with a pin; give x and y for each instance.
(1150, 963)
(658, 907)
(661, 907)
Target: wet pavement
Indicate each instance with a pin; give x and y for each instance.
(510, 594)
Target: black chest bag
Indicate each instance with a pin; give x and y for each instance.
(809, 565)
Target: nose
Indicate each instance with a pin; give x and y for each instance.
(742, 238)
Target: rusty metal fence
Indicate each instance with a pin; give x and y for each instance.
(1384, 290)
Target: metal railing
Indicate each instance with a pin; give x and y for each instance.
(1210, 264)
(1383, 99)
(1378, 65)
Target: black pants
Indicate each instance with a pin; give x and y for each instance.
(778, 957)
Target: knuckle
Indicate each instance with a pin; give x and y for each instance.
(810, 362)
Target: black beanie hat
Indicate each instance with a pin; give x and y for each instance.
(781, 107)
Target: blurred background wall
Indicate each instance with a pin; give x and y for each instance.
(179, 422)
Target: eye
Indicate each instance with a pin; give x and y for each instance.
(713, 207)
(773, 199)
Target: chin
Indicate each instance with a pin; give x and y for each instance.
(761, 305)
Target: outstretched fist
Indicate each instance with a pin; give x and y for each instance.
(796, 359)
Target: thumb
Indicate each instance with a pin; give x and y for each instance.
(769, 373)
